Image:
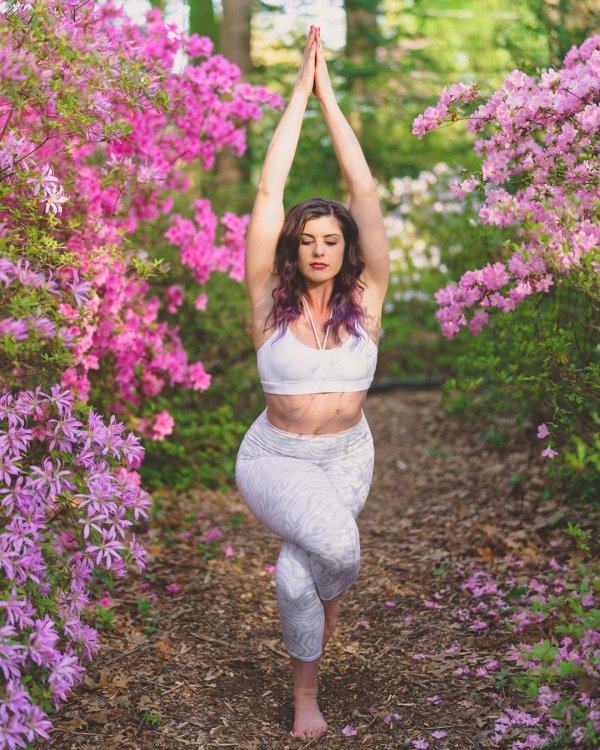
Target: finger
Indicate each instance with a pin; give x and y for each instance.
(320, 51)
(311, 53)
(311, 42)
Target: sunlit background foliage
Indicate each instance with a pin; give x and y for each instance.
(126, 195)
(390, 59)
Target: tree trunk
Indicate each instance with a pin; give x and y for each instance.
(160, 4)
(569, 22)
(202, 20)
(235, 46)
(362, 39)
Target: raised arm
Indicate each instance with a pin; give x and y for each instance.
(364, 204)
(268, 213)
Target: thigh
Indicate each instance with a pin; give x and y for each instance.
(295, 499)
(352, 477)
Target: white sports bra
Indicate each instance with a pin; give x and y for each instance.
(289, 367)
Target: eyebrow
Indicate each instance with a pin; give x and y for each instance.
(331, 234)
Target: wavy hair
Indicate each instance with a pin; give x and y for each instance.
(347, 288)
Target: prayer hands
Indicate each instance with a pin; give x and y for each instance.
(313, 76)
(306, 75)
(322, 88)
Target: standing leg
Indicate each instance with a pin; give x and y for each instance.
(353, 482)
(319, 558)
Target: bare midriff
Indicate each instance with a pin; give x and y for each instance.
(315, 413)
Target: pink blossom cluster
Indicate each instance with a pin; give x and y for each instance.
(544, 148)
(540, 600)
(96, 136)
(69, 493)
(197, 242)
(21, 277)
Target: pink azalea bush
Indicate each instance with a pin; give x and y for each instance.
(97, 129)
(544, 149)
(96, 132)
(538, 178)
(69, 494)
(562, 600)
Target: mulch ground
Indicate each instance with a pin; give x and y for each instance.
(205, 667)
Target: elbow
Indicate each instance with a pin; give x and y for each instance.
(364, 189)
(269, 191)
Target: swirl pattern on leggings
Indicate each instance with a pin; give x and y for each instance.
(308, 490)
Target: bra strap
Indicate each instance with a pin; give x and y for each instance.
(312, 322)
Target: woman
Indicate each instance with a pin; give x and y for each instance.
(316, 280)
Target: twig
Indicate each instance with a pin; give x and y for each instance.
(127, 653)
(314, 739)
(208, 638)
(173, 689)
(279, 653)
(139, 726)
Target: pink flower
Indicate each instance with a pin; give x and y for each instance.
(198, 378)
(211, 535)
(390, 604)
(420, 744)
(201, 302)
(227, 548)
(478, 625)
(174, 297)
(542, 431)
(434, 699)
(269, 568)
(173, 588)
(549, 453)
(362, 624)
(349, 731)
(439, 734)
(163, 425)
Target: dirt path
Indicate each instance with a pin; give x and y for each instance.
(205, 667)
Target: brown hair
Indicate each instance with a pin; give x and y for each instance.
(347, 288)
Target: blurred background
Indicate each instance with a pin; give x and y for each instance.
(389, 60)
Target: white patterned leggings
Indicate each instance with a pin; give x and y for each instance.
(308, 489)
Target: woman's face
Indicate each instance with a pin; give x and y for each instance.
(321, 250)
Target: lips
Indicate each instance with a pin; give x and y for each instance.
(318, 266)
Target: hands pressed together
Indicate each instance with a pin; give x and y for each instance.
(313, 76)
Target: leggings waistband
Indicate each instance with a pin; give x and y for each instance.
(264, 438)
(300, 435)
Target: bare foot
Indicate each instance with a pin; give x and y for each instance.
(308, 720)
(332, 611)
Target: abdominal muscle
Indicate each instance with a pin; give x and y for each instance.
(315, 413)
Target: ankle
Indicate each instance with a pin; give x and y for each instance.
(306, 692)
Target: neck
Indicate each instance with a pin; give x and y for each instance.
(318, 297)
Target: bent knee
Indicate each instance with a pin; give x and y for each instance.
(341, 552)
